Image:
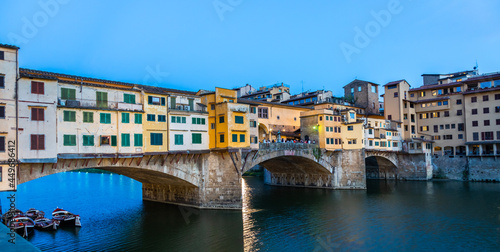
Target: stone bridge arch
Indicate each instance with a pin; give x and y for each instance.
(295, 164)
(381, 165)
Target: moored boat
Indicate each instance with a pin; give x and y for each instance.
(34, 213)
(10, 214)
(66, 218)
(42, 223)
(22, 225)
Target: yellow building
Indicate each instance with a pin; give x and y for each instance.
(322, 127)
(155, 121)
(229, 125)
(352, 130)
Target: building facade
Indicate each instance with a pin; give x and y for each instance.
(363, 94)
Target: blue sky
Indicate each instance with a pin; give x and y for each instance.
(191, 44)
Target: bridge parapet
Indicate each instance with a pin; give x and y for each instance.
(287, 146)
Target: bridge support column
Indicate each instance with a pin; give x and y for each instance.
(352, 173)
(219, 185)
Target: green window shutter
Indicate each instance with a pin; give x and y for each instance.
(242, 138)
(150, 99)
(113, 140)
(88, 140)
(125, 117)
(88, 117)
(138, 118)
(101, 99)
(163, 101)
(198, 120)
(203, 121)
(105, 118)
(178, 119)
(183, 119)
(129, 98)
(69, 116)
(72, 94)
(172, 119)
(102, 118)
(68, 94)
(193, 120)
(156, 138)
(69, 140)
(196, 138)
(125, 140)
(138, 140)
(235, 138)
(191, 104)
(238, 119)
(64, 93)
(172, 103)
(179, 139)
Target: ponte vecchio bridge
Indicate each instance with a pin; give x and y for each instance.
(212, 179)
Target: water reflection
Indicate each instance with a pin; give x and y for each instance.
(390, 215)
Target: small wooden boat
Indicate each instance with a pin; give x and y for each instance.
(22, 225)
(11, 214)
(66, 218)
(42, 223)
(34, 213)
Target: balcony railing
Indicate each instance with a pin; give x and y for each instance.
(93, 104)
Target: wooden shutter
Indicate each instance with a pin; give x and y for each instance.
(34, 87)
(41, 114)
(34, 114)
(33, 142)
(41, 142)
(172, 102)
(150, 99)
(191, 104)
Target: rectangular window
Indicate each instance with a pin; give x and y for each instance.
(475, 136)
(114, 141)
(125, 140)
(485, 97)
(460, 136)
(221, 119)
(153, 100)
(2, 57)
(156, 138)
(2, 112)
(212, 106)
(263, 113)
(69, 116)
(474, 124)
(138, 118)
(69, 140)
(238, 119)
(459, 101)
(447, 114)
(37, 114)
(104, 140)
(497, 96)
(125, 117)
(37, 87)
(68, 94)
(473, 99)
(349, 128)
(486, 122)
(105, 118)
(37, 142)
(235, 138)
(173, 103)
(138, 140)
(129, 98)
(459, 112)
(196, 138)
(486, 110)
(395, 94)
(162, 118)
(460, 127)
(242, 138)
(474, 111)
(179, 139)
(88, 140)
(2, 81)
(88, 117)
(101, 99)
(2, 144)
(221, 138)
(151, 117)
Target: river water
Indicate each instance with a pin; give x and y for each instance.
(447, 215)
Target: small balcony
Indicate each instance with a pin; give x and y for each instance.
(93, 104)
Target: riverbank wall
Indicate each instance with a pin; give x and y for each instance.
(467, 168)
